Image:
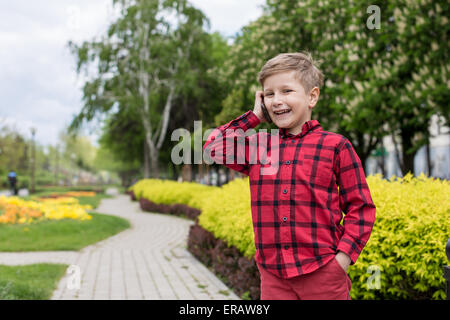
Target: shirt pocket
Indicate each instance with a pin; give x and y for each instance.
(317, 171)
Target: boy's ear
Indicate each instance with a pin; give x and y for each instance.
(313, 97)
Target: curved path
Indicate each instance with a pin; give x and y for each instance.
(147, 261)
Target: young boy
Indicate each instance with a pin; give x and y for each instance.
(302, 250)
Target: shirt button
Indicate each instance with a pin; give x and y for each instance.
(284, 219)
(288, 162)
(284, 191)
(292, 141)
(286, 247)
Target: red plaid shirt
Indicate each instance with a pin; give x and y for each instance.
(297, 207)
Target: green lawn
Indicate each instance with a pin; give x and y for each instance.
(30, 282)
(54, 235)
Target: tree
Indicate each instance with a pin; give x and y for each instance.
(144, 63)
(378, 82)
(13, 150)
(415, 73)
(78, 152)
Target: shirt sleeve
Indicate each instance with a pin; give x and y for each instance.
(229, 144)
(355, 201)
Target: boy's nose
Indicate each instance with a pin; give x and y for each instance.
(277, 100)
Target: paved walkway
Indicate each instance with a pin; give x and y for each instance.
(147, 261)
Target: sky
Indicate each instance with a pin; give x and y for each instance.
(39, 86)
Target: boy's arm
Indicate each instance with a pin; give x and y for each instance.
(354, 200)
(229, 145)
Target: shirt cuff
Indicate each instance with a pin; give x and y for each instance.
(246, 121)
(348, 246)
(253, 118)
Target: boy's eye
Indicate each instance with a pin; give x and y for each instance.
(268, 94)
(287, 90)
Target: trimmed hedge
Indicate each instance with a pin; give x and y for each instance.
(406, 248)
(228, 263)
(169, 192)
(177, 209)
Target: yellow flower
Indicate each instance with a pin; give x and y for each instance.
(16, 210)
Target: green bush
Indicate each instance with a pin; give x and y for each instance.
(171, 192)
(406, 248)
(231, 221)
(408, 240)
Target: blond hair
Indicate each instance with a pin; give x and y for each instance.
(307, 72)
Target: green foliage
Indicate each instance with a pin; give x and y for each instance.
(231, 221)
(169, 192)
(13, 149)
(407, 244)
(79, 151)
(408, 239)
(154, 76)
(396, 75)
(52, 163)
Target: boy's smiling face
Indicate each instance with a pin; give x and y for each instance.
(288, 104)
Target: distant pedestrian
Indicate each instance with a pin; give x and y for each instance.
(12, 177)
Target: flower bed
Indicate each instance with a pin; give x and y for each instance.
(14, 210)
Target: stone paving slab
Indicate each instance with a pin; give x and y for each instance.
(147, 261)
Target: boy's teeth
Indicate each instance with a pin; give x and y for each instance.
(281, 112)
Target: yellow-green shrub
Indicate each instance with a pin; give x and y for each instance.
(227, 215)
(407, 244)
(408, 239)
(170, 192)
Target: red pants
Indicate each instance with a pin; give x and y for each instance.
(330, 282)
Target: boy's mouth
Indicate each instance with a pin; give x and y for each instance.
(282, 112)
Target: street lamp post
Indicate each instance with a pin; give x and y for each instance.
(33, 160)
(57, 166)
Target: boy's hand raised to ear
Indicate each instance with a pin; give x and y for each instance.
(257, 108)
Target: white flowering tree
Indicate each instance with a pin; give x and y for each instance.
(386, 67)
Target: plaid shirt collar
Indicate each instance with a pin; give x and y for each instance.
(307, 126)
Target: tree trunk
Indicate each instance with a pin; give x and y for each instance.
(207, 180)
(383, 159)
(365, 145)
(232, 174)
(397, 152)
(428, 156)
(174, 171)
(200, 172)
(146, 161)
(154, 164)
(408, 156)
(363, 159)
(186, 172)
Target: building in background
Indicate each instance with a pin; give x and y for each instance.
(439, 155)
